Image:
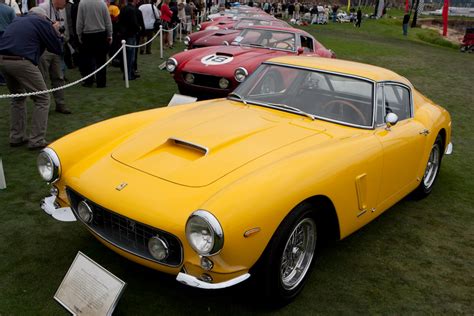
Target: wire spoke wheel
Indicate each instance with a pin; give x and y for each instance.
(432, 166)
(298, 253)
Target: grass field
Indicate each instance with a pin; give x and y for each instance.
(418, 257)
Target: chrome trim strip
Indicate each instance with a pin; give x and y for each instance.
(178, 141)
(449, 149)
(195, 282)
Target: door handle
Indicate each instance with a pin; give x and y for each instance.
(425, 132)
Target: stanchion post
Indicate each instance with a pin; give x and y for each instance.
(3, 183)
(125, 65)
(161, 41)
(180, 31)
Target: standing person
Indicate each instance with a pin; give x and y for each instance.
(291, 10)
(335, 7)
(166, 15)
(188, 11)
(174, 20)
(22, 44)
(94, 29)
(406, 20)
(14, 5)
(359, 17)
(150, 15)
(297, 10)
(7, 14)
(51, 64)
(129, 28)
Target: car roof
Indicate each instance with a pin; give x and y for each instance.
(344, 67)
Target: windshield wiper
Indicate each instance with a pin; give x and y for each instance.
(238, 96)
(281, 105)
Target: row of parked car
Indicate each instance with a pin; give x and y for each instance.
(231, 46)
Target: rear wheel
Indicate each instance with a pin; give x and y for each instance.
(432, 169)
(289, 257)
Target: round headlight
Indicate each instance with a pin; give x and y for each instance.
(171, 64)
(204, 233)
(187, 40)
(158, 248)
(189, 78)
(198, 27)
(240, 74)
(48, 165)
(223, 83)
(85, 212)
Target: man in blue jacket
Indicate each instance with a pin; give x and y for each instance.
(21, 47)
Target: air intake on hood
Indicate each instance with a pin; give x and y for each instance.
(224, 54)
(182, 143)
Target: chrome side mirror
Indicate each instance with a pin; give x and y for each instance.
(391, 119)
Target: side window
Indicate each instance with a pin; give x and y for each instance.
(380, 118)
(397, 100)
(307, 44)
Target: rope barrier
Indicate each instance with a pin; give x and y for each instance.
(144, 44)
(19, 95)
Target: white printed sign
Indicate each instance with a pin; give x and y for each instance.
(89, 289)
(214, 60)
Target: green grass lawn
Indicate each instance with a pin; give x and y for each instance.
(418, 257)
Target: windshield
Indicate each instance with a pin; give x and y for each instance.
(251, 22)
(266, 38)
(327, 96)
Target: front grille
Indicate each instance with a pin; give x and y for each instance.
(205, 80)
(125, 233)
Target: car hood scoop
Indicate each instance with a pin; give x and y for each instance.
(198, 146)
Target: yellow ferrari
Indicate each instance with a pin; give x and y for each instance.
(218, 191)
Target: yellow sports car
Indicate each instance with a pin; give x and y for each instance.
(217, 191)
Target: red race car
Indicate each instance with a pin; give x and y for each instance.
(212, 72)
(224, 37)
(228, 22)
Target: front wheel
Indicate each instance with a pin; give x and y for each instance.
(289, 257)
(432, 169)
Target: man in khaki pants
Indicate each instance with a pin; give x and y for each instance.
(22, 44)
(51, 64)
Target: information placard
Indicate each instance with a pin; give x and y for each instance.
(88, 288)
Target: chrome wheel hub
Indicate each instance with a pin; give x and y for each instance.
(298, 254)
(432, 166)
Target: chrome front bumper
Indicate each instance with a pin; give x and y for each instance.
(449, 149)
(195, 282)
(63, 214)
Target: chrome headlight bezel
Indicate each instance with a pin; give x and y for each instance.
(48, 158)
(214, 228)
(187, 40)
(240, 74)
(171, 64)
(198, 27)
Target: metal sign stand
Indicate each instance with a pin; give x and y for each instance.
(3, 183)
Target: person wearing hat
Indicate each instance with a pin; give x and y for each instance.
(21, 47)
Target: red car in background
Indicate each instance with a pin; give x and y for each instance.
(224, 37)
(215, 71)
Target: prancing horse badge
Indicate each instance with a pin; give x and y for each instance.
(121, 186)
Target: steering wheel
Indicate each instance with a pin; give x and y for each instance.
(271, 83)
(339, 105)
(284, 45)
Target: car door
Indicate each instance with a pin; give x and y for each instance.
(403, 143)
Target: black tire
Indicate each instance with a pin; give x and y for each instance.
(278, 286)
(433, 166)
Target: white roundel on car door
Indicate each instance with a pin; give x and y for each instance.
(213, 60)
